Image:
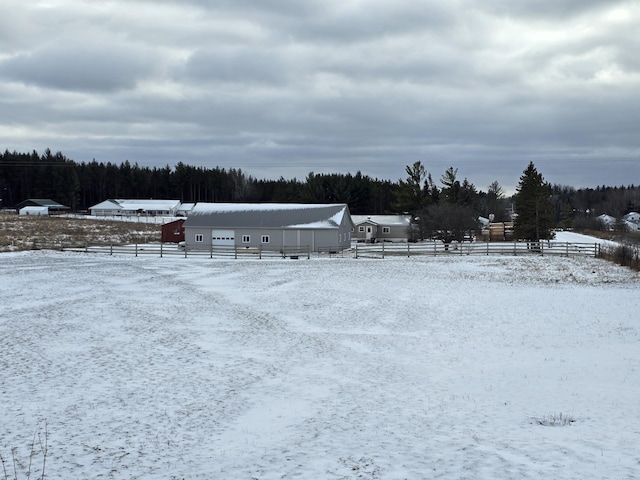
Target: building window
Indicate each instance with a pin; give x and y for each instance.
(265, 239)
(199, 237)
(246, 238)
(386, 229)
(361, 228)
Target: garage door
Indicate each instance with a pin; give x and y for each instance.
(223, 238)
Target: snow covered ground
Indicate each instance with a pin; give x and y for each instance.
(335, 368)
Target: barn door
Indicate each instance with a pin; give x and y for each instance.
(223, 238)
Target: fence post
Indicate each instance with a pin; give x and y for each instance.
(382, 249)
(408, 249)
(161, 249)
(136, 249)
(566, 247)
(514, 249)
(487, 248)
(111, 249)
(356, 251)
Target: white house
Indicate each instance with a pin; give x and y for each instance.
(381, 228)
(132, 207)
(607, 221)
(632, 217)
(632, 221)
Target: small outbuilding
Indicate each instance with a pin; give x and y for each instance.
(381, 228)
(35, 211)
(173, 232)
(50, 205)
(269, 226)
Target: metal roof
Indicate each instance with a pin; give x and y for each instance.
(267, 215)
(44, 202)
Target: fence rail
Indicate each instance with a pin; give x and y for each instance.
(171, 249)
(376, 250)
(381, 250)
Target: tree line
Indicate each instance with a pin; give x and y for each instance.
(81, 185)
(433, 201)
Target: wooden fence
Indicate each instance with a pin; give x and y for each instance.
(171, 249)
(382, 250)
(376, 250)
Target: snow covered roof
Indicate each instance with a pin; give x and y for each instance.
(43, 202)
(138, 204)
(267, 215)
(632, 217)
(148, 205)
(107, 204)
(400, 220)
(186, 207)
(607, 219)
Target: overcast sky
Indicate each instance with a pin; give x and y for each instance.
(286, 87)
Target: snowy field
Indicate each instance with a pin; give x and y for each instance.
(336, 368)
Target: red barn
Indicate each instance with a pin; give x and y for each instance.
(173, 232)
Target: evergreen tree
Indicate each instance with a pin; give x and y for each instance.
(534, 221)
(412, 193)
(450, 186)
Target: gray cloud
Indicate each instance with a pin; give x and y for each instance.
(80, 66)
(283, 87)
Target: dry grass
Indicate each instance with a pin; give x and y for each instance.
(19, 232)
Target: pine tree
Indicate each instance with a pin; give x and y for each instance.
(412, 194)
(534, 221)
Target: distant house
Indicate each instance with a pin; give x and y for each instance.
(37, 211)
(607, 221)
(632, 217)
(50, 205)
(184, 209)
(173, 232)
(133, 207)
(269, 226)
(381, 228)
(632, 221)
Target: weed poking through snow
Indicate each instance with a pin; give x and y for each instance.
(42, 439)
(555, 420)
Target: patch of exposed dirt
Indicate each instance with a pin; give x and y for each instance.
(26, 232)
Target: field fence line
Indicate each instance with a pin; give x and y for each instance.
(376, 250)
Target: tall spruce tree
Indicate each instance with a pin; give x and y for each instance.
(535, 219)
(412, 194)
